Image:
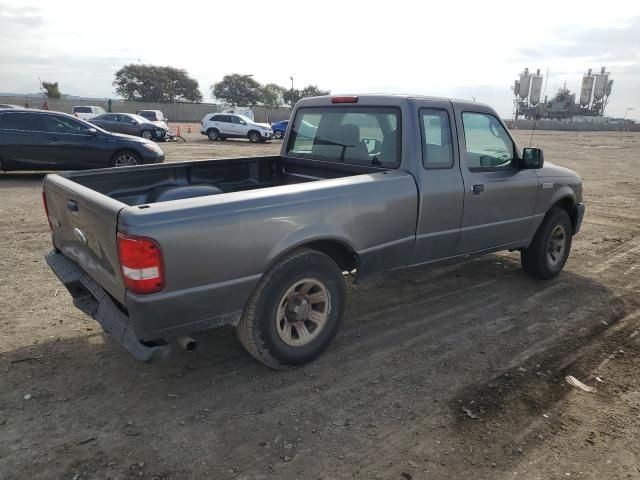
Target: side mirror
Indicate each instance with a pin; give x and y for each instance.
(133, 122)
(92, 131)
(532, 158)
(166, 119)
(242, 122)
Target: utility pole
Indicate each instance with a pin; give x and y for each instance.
(291, 91)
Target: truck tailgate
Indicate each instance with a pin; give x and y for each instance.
(84, 225)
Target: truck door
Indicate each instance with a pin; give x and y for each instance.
(440, 185)
(499, 197)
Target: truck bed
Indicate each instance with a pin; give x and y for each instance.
(174, 181)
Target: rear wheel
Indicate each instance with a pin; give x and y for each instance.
(147, 134)
(254, 137)
(213, 134)
(295, 311)
(125, 158)
(549, 250)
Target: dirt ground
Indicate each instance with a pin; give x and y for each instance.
(452, 373)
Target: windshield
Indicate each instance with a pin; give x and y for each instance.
(246, 119)
(81, 109)
(355, 135)
(139, 118)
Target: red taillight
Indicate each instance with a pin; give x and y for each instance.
(351, 99)
(46, 208)
(141, 264)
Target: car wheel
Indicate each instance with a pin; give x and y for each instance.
(125, 159)
(213, 134)
(254, 137)
(549, 250)
(278, 134)
(147, 134)
(295, 311)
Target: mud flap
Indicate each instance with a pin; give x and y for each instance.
(91, 298)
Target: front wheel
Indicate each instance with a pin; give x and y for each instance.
(254, 137)
(278, 134)
(146, 134)
(295, 311)
(125, 159)
(549, 250)
(213, 134)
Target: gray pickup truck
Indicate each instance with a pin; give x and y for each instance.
(363, 185)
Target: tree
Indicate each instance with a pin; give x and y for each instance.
(152, 83)
(292, 96)
(239, 90)
(52, 89)
(272, 95)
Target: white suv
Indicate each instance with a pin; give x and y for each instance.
(218, 126)
(87, 112)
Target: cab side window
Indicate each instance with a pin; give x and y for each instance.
(58, 124)
(437, 144)
(487, 144)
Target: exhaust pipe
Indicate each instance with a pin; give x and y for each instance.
(187, 343)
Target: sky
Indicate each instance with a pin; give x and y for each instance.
(464, 49)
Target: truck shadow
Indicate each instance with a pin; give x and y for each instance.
(411, 346)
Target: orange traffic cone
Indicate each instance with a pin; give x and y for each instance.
(189, 129)
(178, 131)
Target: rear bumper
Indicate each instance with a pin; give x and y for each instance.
(89, 297)
(153, 318)
(577, 217)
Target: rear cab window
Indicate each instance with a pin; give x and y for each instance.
(352, 134)
(82, 110)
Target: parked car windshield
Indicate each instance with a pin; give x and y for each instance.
(350, 134)
(246, 119)
(82, 110)
(138, 118)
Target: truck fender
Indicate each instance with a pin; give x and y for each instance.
(564, 192)
(308, 236)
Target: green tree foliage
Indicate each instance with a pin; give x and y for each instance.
(152, 83)
(239, 90)
(292, 96)
(244, 91)
(52, 89)
(272, 95)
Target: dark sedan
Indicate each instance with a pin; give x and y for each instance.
(44, 140)
(130, 124)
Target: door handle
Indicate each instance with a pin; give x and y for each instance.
(53, 139)
(478, 189)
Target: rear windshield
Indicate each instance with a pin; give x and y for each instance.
(147, 114)
(82, 110)
(349, 134)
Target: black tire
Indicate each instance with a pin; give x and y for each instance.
(543, 259)
(213, 134)
(125, 158)
(147, 134)
(253, 136)
(278, 134)
(258, 329)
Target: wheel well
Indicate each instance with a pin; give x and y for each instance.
(568, 205)
(340, 253)
(122, 150)
(212, 128)
(343, 255)
(253, 130)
